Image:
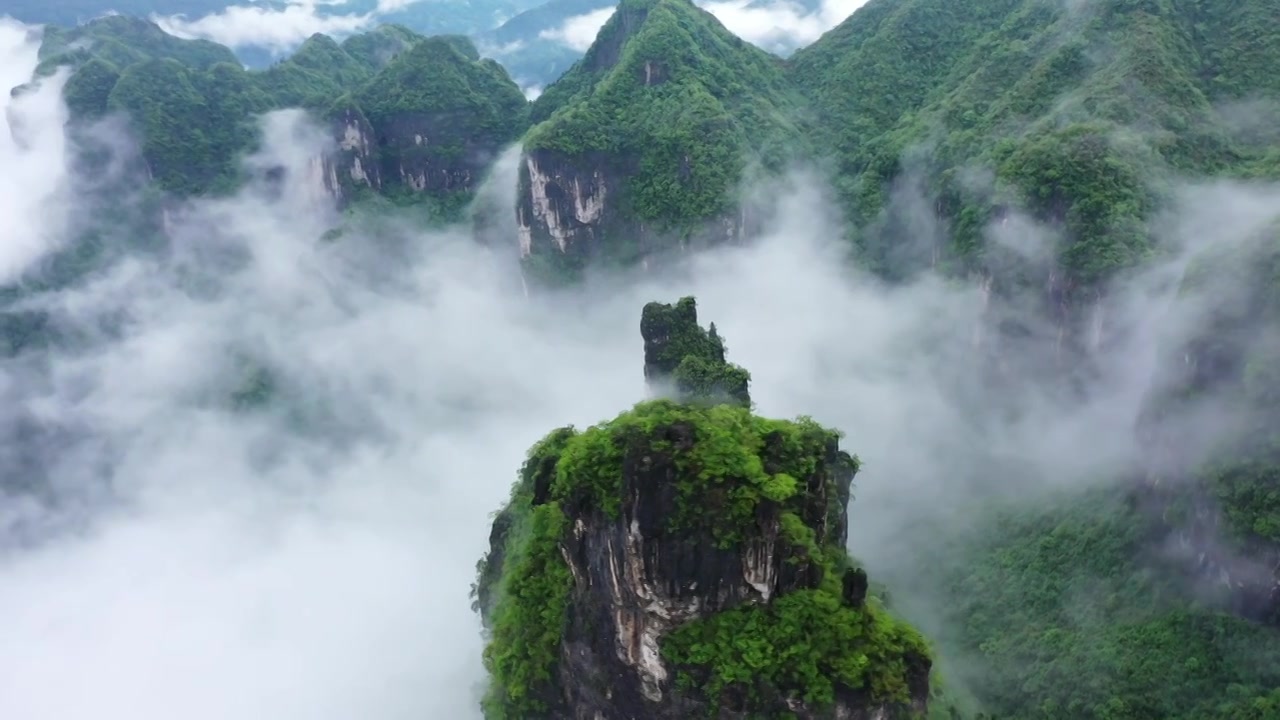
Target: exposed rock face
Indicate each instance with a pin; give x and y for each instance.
(632, 552)
(569, 214)
(1208, 434)
(560, 204)
(641, 150)
(354, 164)
(680, 355)
(420, 151)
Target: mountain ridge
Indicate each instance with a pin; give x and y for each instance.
(944, 129)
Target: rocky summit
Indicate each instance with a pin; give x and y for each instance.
(686, 559)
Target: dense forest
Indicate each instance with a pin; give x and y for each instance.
(934, 123)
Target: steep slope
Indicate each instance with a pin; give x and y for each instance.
(686, 559)
(1075, 107)
(640, 147)
(528, 46)
(440, 115)
(949, 119)
(418, 119)
(123, 40)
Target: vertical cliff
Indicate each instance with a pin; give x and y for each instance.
(419, 119)
(686, 559)
(641, 147)
(1210, 429)
(352, 165)
(440, 116)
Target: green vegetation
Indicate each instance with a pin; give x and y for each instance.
(441, 114)
(719, 475)
(805, 644)
(435, 111)
(1061, 614)
(677, 104)
(1076, 113)
(719, 455)
(1076, 106)
(680, 350)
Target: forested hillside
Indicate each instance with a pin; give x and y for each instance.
(195, 107)
(942, 127)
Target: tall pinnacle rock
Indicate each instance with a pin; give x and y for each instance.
(686, 560)
(681, 357)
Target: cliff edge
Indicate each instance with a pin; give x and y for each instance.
(687, 560)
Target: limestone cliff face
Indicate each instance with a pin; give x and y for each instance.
(1208, 433)
(354, 163)
(571, 211)
(641, 150)
(423, 152)
(635, 582)
(562, 205)
(638, 558)
(415, 153)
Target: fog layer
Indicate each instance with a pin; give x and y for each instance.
(266, 465)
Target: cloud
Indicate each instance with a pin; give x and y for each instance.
(780, 25)
(386, 7)
(277, 28)
(579, 31)
(32, 153)
(307, 551)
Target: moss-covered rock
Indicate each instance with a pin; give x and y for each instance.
(640, 148)
(686, 559)
(680, 355)
(418, 119)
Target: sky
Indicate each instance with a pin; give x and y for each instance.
(780, 25)
(311, 559)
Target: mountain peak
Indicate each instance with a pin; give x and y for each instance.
(664, 115)
(635, 557)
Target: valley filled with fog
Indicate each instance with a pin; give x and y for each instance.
(249, 473)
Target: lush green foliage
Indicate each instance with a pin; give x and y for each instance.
(529, 618)
(1062, 614)
(437, 105)
(679, 350)
(721, 469)
(802, 644)
(677, 102)
(1077, 107)
(195, 107)
(805, 643)
(523, 589)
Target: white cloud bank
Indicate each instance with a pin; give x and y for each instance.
(311, 560)
(777, 26)
(579, 31)
(32, 154)
(780, 25)
(278, 28)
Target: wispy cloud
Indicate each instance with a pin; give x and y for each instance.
(776, 25)
(278, 29)
(579, 31)
(33, 154)
(780, 25)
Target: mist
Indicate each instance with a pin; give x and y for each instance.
(267, 466)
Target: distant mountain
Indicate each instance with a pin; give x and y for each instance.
(938, 124)
(413, 116)
(261, 30)
(539, 45)
(640, 147)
